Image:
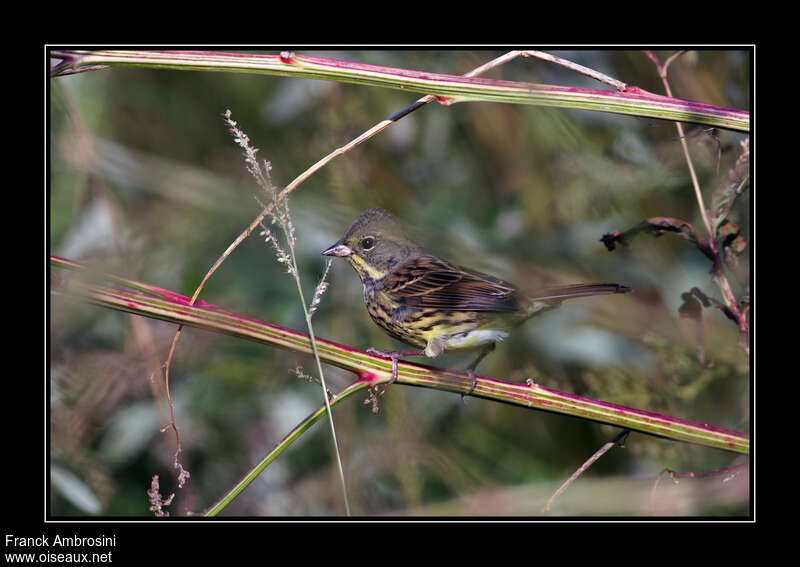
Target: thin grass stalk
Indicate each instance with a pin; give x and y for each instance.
(323, 384)
(448, 88)
(281, 215)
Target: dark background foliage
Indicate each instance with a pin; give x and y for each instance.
(145, 182)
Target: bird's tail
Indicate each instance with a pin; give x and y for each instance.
(550, 297)
(561, 292)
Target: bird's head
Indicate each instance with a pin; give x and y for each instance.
(375, 244)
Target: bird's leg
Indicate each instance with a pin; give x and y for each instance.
(471, 368)
(394, 355)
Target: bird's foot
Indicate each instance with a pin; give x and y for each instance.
(473, 381)
(394, 356)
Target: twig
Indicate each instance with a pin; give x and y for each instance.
(662, 72)
(657, 226)
(731, 472)
(619, 85)
(617, 440)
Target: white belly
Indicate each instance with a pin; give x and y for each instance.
(475, 339)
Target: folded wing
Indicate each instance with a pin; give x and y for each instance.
(430, 282)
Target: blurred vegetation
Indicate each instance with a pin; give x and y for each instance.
(145, 182)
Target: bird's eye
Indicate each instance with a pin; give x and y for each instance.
(367, 243)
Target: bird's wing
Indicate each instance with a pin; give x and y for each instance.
(428, 281)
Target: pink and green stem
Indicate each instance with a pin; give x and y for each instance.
(151, 301)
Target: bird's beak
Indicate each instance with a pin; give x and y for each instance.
(340, 250)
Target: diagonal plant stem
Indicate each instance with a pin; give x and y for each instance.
(448, 89)
(372, 369)
(618, 439)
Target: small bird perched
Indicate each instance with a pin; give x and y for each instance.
(431, 304)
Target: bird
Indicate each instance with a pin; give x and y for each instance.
(436, 306)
